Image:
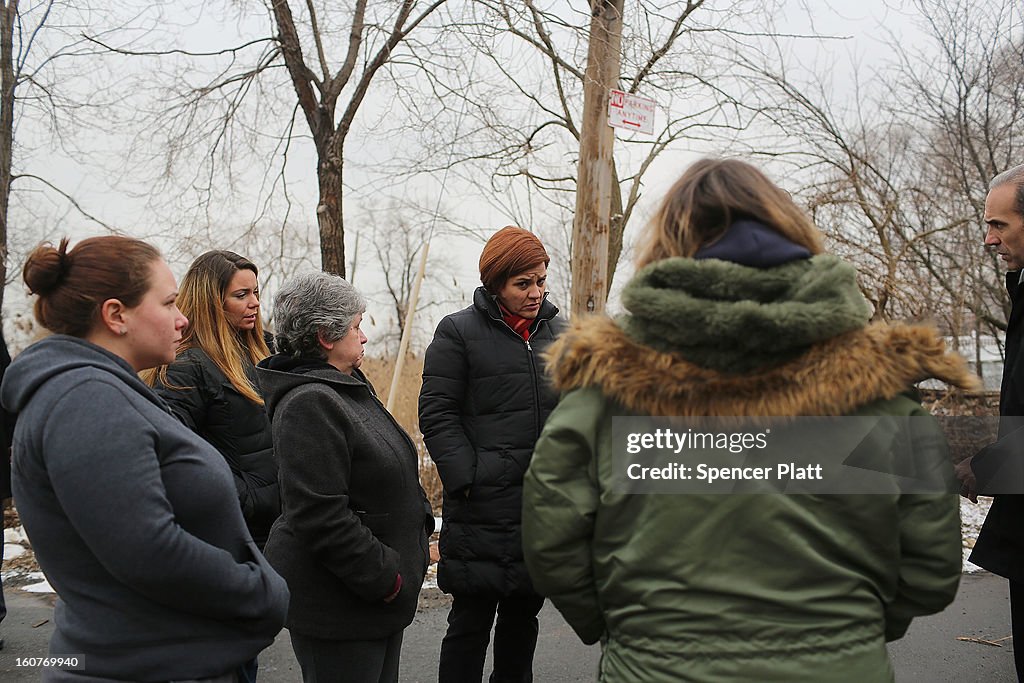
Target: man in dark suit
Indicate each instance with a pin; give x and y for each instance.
(998, 469)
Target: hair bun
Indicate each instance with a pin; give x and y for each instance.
(46, 267)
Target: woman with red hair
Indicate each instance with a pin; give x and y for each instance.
(483, 404)
(133, 517)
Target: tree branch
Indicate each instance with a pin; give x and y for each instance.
(355, 39)
(317, 39)
(71, 200)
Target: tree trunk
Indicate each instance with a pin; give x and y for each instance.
(616, 226)
(7, 21)
(329, 216)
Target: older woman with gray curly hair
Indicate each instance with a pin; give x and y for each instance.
(351, 540)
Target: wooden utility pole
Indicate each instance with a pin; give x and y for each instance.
(594, 189)
(410, 311)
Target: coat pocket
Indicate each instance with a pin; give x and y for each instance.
(376, 522)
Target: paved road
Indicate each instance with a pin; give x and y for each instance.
(930, 653)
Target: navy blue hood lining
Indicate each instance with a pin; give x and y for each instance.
(753, 244)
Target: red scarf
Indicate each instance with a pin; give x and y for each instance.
(518, 323)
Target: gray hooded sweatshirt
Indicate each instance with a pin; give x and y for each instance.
(135, 522)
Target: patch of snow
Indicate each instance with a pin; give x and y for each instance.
(15, 535)
(430, 580)
(41, 587)
(970, 567)
(13, 550)
(972, 516)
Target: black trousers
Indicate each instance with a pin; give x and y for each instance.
(1017, 626)
(348, 661)
(464, 647)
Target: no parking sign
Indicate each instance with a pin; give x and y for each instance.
(630, 112)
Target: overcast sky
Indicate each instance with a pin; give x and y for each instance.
(859, 30)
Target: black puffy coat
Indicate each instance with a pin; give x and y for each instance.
(208, 404)
(484, 401)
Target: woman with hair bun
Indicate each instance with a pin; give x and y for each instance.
(482, 406)
(132, 516)
(212, 387)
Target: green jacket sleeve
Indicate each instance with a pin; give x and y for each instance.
(560, 499)
(931, 556)
(930, 560)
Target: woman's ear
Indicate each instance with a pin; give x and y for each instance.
(324, 344)
(113, 317)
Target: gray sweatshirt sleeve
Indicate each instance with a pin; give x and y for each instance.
(103, 465)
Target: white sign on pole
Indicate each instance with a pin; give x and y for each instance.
(630, 112)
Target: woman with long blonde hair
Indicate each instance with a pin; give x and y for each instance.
(211, 386)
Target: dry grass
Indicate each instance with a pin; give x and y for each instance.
(969, 421)
(380, 371)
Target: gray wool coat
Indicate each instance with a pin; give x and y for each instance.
(354, 516)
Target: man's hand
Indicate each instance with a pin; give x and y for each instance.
(965, 474)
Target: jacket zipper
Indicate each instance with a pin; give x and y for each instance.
(533, 369)
(536, 388)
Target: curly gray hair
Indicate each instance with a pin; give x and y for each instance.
(314, 304)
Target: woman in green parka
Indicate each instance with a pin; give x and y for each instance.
(736, 311)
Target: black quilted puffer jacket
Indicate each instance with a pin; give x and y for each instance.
(484, 400)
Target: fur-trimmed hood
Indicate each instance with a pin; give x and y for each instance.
(833, 377)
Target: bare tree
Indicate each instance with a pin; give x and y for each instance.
(215, 135)
(522, 93)
(37, 95)
(319, 89)
(897, 176)
(398, 233)
(966, 97)
(8, 19)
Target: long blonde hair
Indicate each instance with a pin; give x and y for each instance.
(201, 299)
(712, 194)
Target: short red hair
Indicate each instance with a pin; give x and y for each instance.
(510, 251)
